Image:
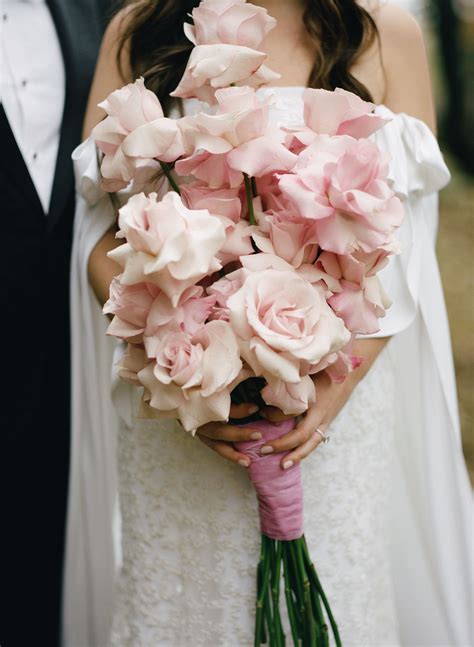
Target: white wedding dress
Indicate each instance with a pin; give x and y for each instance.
(163, 536)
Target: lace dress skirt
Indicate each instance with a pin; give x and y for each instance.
(191, 535)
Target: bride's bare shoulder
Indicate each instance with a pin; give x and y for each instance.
(405, 64)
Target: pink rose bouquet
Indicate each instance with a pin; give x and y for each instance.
(254, 272)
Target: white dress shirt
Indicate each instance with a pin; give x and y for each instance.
(32, 87)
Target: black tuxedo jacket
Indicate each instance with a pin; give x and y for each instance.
(34, 415)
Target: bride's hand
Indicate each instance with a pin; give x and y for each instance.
(219, 436)
(330, 398)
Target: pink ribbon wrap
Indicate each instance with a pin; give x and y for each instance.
(279, 491)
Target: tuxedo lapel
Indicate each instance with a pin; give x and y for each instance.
(13, 165)
(78, 28)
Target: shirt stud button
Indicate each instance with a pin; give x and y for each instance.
(35, 155)
(24, 82)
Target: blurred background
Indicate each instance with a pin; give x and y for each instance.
(449, 32)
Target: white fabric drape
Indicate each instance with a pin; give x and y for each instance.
(432, 507)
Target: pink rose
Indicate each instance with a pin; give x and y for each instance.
(222, 290)
(336, 113)
(290, 397)
(192, 376)
(362, 301)
(211, 169)
(127, 109)
(160, 139)
(292, 238)
(240, 129)
(188, 316)
(225, 205)
(341, 184)
(167, 244)
(223, 202)
(229, 21)
(283, 325)
(345, 363)
(131, 305)
(219, 66)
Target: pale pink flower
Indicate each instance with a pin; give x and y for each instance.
(288, 396)
(336, 113)
(283, 324)
(223, 202)
(240, 129)
(235, 22)
(345, 363)
(219, 66)
(222, 290)
(131, 305)
(211, 169)
(341, 184)
(192, 376)
(225, 205)
(160, 139)
(188, 316)
(167, 244)
(362, 301)
(127, 109)
(292, 238)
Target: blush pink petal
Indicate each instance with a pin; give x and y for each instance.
(291, 398)
(261, 156)
(216, 66)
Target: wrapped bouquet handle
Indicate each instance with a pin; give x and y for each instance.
(280, 502)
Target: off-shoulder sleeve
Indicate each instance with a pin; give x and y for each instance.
(417, 173)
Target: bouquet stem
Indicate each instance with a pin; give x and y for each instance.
(249, 196)
(167, 171)
(304, 596)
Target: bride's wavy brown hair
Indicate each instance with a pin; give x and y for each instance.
(158, 50)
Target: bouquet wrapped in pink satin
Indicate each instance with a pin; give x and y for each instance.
(252, 260)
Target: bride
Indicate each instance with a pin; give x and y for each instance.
(163, 532)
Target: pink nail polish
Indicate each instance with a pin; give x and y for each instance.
(266, 450)
(243, 463)
(256, 435)
(287, 465)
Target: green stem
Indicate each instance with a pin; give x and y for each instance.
(267, 607)
(280, 636)
(308, 611)
(297, 579)
(289, 595)
(167, 171)
(317, 585)
(248, 194)
(265, 577)
(253, 184)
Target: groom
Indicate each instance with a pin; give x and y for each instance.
(48, 52)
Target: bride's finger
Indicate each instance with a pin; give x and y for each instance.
(299, 435)
(226, 451)
(242, 410)
(230, 433)
(302, 451)
(273, 414)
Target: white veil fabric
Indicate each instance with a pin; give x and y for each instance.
(431, 549)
